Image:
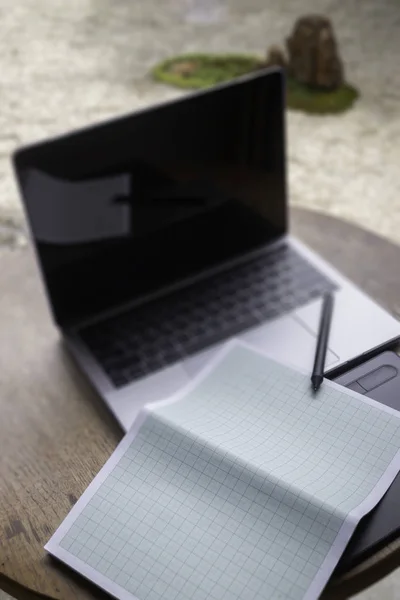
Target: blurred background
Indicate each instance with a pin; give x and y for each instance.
(65, 64)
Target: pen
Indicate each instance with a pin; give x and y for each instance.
(322, 342)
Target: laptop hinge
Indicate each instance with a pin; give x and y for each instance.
(183, 283)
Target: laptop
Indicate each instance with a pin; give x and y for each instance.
(163, 233)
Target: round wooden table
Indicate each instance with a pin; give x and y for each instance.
(55, 434)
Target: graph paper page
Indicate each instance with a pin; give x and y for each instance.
(244, 485)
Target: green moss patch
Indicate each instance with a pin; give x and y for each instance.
(197, 71)
(318, 102)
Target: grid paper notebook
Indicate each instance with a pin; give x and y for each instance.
(245, 485)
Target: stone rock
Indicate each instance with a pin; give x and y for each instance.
(313, 55)
(275, 57)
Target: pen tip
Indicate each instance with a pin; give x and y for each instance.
(316, 381)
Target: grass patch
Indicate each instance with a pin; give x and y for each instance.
(318, 102)
(197, 71)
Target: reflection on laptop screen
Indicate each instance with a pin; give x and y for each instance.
(122, 209)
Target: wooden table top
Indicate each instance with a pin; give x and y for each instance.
(55, 433)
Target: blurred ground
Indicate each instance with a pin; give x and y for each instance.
(65, 64)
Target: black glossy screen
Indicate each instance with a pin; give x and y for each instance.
(124, 208)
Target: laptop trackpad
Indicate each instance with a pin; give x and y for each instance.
(283, 339)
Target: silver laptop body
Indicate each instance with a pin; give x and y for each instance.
(164, 233)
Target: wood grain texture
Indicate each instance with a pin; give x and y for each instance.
(55, 433)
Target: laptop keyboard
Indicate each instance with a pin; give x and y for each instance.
(142, 340)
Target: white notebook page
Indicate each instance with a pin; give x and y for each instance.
(244, 485)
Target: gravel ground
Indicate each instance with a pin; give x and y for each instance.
(65, 64)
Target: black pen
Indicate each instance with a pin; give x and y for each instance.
(322, 342)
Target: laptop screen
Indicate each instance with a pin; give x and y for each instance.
(123, 209)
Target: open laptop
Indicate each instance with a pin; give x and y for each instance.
(162, 233)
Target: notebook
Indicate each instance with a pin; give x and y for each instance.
(244, 485)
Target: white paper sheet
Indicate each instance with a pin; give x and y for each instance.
(243, 481)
